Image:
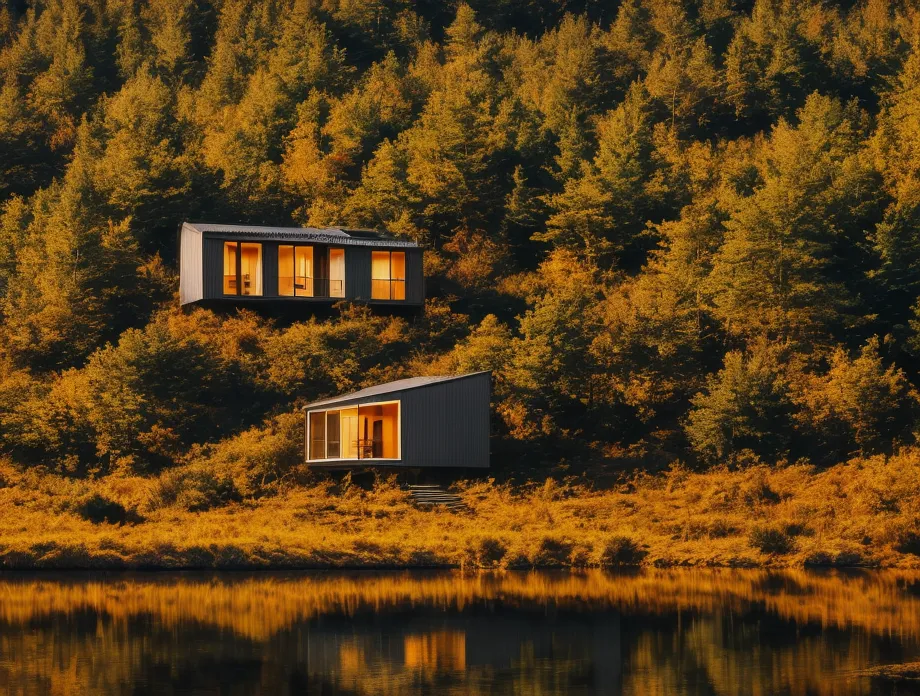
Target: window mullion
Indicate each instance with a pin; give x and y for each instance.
(239, 268)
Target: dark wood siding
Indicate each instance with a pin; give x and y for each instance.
(190, 266)
(415, 277)
(358, 273)
(213, 268)
(270, 269)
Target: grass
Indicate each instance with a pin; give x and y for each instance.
(865, 512)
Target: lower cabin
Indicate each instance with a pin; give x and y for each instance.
(422, 422)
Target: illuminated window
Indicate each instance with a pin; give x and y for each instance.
(295, 271)
(242, 268)
(367, 431)
(336, 273)
(388, 275)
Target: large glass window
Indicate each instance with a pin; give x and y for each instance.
(295, 271)
(231, 271)
(336, 273)
(388, 275)
(242, 268)
(368, 431)
(317, 435)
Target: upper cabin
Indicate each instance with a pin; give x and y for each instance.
(247, 265)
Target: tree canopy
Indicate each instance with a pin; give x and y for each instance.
(674, 229)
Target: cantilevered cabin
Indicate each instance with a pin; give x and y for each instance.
(418, 423)
(247, 265)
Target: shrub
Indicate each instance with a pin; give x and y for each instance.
(621, 551)
(552, 552)
(771, 541)
(203, 490)
(192, 489)
(97, 508)
(257, 459)
(490, 552)
(909, 542)
(720, 528)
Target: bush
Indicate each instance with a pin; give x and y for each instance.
(771, 541)
(193, 489)
(621, 551)
(552, 552)
(258, 459)
(909, 542)
(97, 508)
(202, 491)
(490, 552)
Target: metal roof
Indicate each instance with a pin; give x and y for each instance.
(399, 385)
(328, 235)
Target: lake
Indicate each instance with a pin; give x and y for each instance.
(544, 632)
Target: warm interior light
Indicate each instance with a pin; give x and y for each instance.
(336, 273)
(368, 431)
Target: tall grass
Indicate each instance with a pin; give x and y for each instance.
(865, 512)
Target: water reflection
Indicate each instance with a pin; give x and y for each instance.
(655, 632)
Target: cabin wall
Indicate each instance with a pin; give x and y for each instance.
(190, 265)
(447, 424)
(213, 268)
(358, 273)
(415, 277)
(270, 269)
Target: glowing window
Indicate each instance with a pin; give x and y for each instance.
(242, 268)
(388, 275)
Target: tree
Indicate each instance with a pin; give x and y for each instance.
(600, 210)
(553, 372)
(789, 265)
(861, 406)
(745, 406)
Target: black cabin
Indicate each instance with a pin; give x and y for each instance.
(248, 265)
(419, 422)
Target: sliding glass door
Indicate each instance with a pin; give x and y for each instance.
(368, 431)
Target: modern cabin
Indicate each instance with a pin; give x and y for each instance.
(249, 265)
(420, 422)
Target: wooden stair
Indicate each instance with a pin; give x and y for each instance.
(431, 496)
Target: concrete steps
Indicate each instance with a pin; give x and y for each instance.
(430, 496)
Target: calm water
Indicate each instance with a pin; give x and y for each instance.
(655, 632)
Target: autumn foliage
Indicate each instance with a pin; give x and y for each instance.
(680, 233)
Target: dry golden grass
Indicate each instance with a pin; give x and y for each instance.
(862, 513)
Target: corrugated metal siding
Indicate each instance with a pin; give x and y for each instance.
(213, 268)
(415, 277)
(270, 269)
(190, 265)
(445, 424)
(358, 273)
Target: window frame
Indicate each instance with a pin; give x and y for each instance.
(238, 244)
(313, 278)
(342, 407)
(329, 278)
(390, 280)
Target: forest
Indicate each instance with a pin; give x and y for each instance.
(683, 234)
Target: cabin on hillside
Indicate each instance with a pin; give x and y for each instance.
(245, 265)
(421, 422)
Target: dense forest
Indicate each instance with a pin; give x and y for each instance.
(676, 230)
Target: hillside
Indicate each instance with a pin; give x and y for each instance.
(682, 234)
